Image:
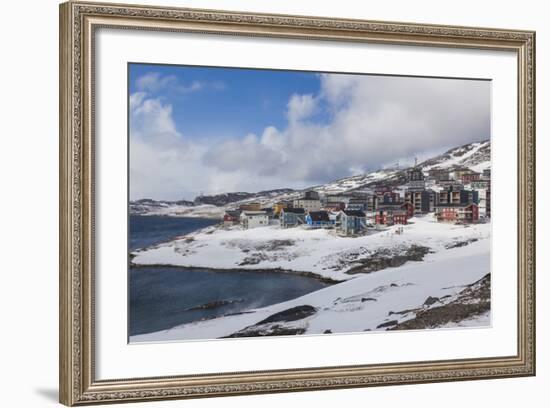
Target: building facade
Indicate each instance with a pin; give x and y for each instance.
(277, 207)
(438, 174)
(469, 177)
(457, 213)
(390, 216)
(231, 217)
(291, 217)
(308, 204)
(250, 207)
(351, 222)
(422, 201)
(415, 178)
(456, 194)
(254, 219)
(319, 219)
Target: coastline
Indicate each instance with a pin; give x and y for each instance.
(415, 292)
(318, 253)
(306, 274)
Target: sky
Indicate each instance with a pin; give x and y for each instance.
(207, 130)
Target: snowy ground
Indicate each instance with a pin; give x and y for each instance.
(320, 251)
(366, 302)
(459, 256)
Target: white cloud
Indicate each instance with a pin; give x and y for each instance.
(162, 161)
(370, 122)
(165, 165)
(300, 107)
(154, 82)
(374, 121)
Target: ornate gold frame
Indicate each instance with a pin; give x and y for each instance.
(78, 22)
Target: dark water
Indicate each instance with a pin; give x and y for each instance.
(163, 297)
(147, 230)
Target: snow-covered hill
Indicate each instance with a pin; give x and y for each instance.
(440, 290)
(476, 156)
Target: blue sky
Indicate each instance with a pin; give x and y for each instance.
(207, 130)
(228, 102)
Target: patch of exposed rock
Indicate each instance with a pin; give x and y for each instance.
(388, 258)
(277, 324)
(472, 301)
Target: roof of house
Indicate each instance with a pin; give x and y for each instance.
(233, 213)
(249, 213)
(319, 216)
(354, 213)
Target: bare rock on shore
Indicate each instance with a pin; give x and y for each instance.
(473, 301)
(286, 322)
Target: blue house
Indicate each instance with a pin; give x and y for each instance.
(351, 222)
(291, 217)
(319, 219)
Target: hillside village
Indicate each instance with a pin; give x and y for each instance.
(458, 195)
(454, 187)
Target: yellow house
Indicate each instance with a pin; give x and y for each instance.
(277, 207)
(250, 207)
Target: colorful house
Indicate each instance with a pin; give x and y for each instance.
(458, 213)
(319, 219)
(250, 207)
(422, 200)
(254, 219)
(470, 176)
(232, 217)
(291, 217)
(351, 222)
(461, 173)
(278, 207)
(391, 215)
(456, 194)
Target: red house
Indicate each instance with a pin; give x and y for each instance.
(391, 216)
(460, 213)
(231, 217)
(469, 177)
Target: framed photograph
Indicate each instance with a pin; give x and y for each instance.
(256, 203)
